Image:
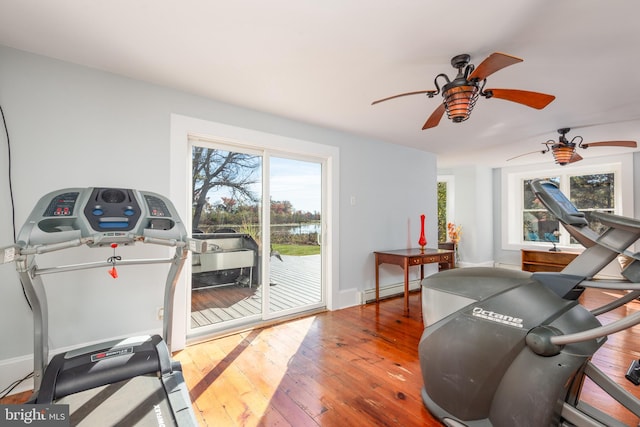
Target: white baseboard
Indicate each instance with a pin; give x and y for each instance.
(388, 291)
(14, 369)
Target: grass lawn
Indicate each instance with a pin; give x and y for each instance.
(298, 250)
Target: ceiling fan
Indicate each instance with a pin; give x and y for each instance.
(461, 94)
(564, 151)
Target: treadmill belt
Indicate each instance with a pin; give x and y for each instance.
(139, 401)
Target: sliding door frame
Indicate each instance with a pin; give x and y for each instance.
(185, 128)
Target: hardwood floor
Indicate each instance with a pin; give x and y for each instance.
(354, 366)
(357, 366)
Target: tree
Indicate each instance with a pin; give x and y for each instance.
(442, 211)
(595, 191)
(212, 168)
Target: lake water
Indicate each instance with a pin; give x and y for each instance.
(307, 228)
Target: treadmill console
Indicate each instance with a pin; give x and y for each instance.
(112, 209)
(102, 215)
(62, 205)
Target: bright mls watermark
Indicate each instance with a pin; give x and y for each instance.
(34, 415)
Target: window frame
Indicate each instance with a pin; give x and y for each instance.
(512, 197)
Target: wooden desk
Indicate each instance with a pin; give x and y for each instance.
(405, 258)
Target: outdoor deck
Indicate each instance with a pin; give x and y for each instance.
(295, 282)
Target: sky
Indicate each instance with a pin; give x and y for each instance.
(298, 182)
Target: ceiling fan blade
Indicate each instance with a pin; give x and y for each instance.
(631, 144)
(526, 154)
(575, 158)
(434, 118)
(494, 62)
(432, 92)
(530, 99)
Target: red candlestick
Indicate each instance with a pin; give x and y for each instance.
(423, 240)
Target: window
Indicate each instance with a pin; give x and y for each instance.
(589, 193)
(445, 205)
(442, 211)
(590, 188)
(537, 223)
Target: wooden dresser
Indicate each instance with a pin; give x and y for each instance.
(538, 260)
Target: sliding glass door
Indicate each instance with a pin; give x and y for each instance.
(295, 267)
(262, 261)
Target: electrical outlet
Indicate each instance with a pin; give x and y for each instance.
(160, 313)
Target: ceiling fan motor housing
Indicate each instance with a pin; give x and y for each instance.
(460, 61)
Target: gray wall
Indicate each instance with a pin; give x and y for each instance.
(72, 126)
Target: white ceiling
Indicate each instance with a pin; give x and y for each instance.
(324, 62)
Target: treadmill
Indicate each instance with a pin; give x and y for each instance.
(126, 382)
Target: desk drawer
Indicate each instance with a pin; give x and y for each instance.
(415, 261)
(431, 259)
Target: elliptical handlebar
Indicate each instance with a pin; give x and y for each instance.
(600, 332)
(548, 341)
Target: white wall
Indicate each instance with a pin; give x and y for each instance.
(72, 126)
(473, 207)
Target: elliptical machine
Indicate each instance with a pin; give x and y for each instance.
(510, 348)
(132, 381)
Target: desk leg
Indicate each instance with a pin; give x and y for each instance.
(377, 279)
(406, 286)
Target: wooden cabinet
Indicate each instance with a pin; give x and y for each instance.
(534, 260)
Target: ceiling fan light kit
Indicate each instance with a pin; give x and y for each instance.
(459, 102)
(460, 95)
(564, 151)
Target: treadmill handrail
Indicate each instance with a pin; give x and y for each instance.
(164, 242)
(52, 247)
